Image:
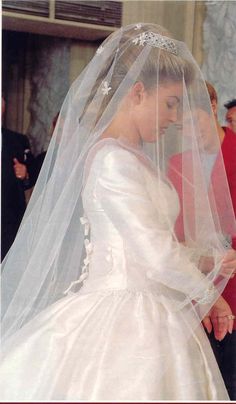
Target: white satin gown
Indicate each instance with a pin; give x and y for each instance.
(118, 338)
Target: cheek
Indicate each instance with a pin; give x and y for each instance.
(163, 115)
(151, 117)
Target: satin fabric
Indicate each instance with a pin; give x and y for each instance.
(119, 337)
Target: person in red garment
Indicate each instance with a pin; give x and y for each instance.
(231, 114)
(225, 350)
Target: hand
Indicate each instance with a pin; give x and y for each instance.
(20, 169)
(228, 269)
(229, 264)
(220, 319)
(206, 264)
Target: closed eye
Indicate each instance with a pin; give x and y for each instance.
(172, 103)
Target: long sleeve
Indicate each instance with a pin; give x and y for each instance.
(143, 224)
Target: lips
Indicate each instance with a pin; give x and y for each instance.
(163, 129)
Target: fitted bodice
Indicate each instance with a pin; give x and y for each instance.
(109, 197)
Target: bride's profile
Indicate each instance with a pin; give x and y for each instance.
(100, 301)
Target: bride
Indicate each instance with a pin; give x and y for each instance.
(99, 299)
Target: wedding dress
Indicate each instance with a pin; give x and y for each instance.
(118, 337)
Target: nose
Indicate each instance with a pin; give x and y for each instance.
(173, 115)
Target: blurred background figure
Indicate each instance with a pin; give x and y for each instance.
(225, 350)
(17, 176)
(39, 159)
(231, 114)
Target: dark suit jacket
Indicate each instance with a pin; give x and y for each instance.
(13, 204)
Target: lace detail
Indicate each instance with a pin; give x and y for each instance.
(84, 221)
(208, 296)
(89, 249)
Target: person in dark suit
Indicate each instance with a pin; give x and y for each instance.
(39, 159)
(17, 169)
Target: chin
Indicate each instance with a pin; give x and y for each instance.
(152, 140)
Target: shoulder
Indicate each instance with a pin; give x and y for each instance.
(15, 136)
(175, 161)
(228, 147)
(110, 161)
(230, 137)
(113, 150)
(110, 154)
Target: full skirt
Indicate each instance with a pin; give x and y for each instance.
(111, 345)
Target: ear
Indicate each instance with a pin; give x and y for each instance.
(214, 107)
(137, 92)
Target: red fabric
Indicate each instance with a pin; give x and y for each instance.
(229, 155)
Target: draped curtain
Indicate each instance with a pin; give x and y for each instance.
(220, 50)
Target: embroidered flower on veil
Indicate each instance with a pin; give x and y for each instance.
(140, 40)
(105, 88)
(100, 50)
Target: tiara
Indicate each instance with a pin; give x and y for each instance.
(157, 41)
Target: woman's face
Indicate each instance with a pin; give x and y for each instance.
(202, 124)
(159, 109)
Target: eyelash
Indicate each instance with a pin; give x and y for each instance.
(170, 105)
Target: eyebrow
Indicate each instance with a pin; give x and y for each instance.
(174, 96)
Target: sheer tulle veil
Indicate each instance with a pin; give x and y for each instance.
(48, 253)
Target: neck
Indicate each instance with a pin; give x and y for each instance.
(122, 129)
(221, 132)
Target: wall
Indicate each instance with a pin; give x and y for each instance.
(183, 18)
(37, 73)
(220, 50)
(38, 69)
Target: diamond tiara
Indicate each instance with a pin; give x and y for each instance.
(157, 41)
